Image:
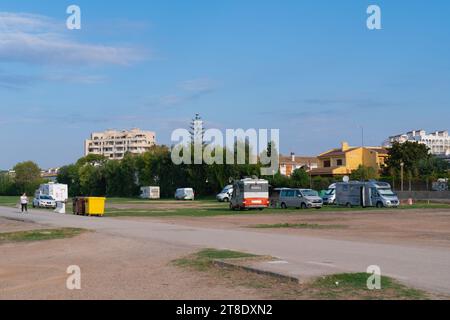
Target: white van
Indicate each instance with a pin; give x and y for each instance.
(225, 194)
(185, 194)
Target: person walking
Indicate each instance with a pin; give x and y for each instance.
(24, 203)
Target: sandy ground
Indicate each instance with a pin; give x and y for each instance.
(112, 267)
(416, 227)
(117, 267)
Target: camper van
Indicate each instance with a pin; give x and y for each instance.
(58, 192)
(366, 194)
(330, 195)
(250, 193)
(152, 193)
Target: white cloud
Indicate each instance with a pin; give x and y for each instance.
(35, 39)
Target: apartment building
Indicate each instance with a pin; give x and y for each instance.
(438, 142)
(114, 144)
(346, 159)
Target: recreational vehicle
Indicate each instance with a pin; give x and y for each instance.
(251, 193)
(366, 194)
(330, 195)
(150, 193)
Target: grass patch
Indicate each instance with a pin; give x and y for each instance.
(354, 286)
(203, 260)
(39, 235)
(297, 226)
(348, 286)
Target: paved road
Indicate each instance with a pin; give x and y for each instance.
(300, 256)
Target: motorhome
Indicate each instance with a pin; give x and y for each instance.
(59, 192)
(250, 193)
(150, 193)
(366, 194)
(330, 195)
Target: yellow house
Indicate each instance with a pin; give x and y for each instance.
(344, 160)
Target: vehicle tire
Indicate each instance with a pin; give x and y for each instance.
(303, 206)
(348, 205)
(226, 200)
(380, 204)
(283, 205)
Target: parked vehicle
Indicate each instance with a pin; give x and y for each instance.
(366, 194)
(44, 201)
(59, 192)
(300, 198)
(250, 193)
(330, 195)
(274, 198)
(225, 194)
(150, 193)
(185, 194)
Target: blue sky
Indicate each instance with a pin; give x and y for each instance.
(310, 68)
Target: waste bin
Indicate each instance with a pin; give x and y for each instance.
(79, 207)
(95, 206)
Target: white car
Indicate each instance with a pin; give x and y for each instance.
(44, 201)
(225, 194)
(184, 194)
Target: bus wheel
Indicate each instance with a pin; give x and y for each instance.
(380, 204)
(348, 205)
(283, 206)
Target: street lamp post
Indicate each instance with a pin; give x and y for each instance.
(402, 165)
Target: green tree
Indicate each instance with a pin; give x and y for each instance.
(27, 177)
(7, 186)
(364, 173)
(300, 179)
(69, 175)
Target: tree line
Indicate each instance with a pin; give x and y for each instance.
(95, 175)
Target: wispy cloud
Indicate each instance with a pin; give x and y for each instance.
(35, 39)
(186, 91)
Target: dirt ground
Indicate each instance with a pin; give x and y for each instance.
(111, 268)
(427, 227)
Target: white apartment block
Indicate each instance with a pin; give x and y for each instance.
(438, 142)
(113, 144)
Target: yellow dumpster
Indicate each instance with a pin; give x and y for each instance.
(95, 206)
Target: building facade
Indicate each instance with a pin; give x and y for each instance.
(438, 142)
(289, 164)
(114, 144)
(344, 160)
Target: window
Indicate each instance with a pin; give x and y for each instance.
(327, 163)
(339, 162)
